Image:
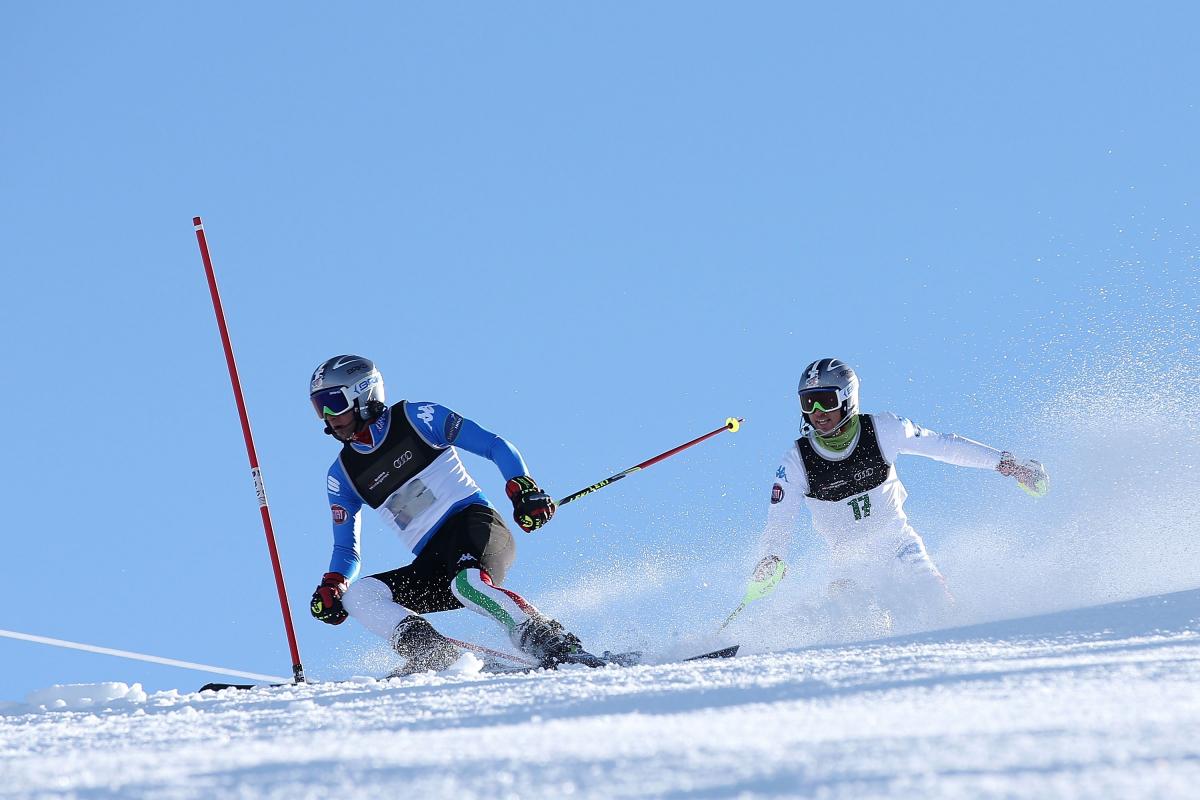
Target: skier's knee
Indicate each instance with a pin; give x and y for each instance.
(470, 580)
(365, 596)
(912, 553)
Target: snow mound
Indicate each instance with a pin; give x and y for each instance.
(76, 696)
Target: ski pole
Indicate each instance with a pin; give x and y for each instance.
(731, 424)
(487, 651)
(255, 472)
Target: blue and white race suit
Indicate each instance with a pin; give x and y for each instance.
(433, 483)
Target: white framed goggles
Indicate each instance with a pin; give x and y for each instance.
(331, 402)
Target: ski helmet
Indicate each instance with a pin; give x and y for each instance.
(346, 382)
(828, 383)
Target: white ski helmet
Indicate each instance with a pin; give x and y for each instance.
(827, 383)
(347, 382)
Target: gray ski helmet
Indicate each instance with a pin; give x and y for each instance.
(829, 374)
(345, 382)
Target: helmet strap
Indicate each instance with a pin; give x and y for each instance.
(808, 429)
(375, 410)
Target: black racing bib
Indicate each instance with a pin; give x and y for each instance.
(401, 455)
(860, 472)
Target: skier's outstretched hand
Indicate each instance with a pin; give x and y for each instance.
(1031, 476)
(767, 575)
(532, 508)
(327, 599)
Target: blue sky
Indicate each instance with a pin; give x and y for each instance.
(597, 230)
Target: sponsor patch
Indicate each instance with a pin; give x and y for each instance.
(453, 426)
(377, 480)
(340, 515)
(776, 493)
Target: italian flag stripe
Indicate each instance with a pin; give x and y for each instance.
(521, 602)
(478, 598)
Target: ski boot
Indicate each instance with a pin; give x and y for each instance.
(422, 647)
(547, 641)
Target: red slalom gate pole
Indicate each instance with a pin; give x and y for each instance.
(256, 473)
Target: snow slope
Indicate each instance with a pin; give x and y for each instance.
(1100, 702)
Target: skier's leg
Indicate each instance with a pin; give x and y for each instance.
(369, 602)
(474, 588)
(918, 580)
(389, 605)
(488, 551)
(854, 606)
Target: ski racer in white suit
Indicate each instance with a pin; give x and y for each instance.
(843, 470)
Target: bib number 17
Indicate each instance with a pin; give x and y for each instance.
(861, 506)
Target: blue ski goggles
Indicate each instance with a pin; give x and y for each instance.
(825, 400)
(331, 402)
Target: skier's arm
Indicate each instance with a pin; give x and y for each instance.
(898, 435)
(787, 496)
(345, 506)
(442, 427)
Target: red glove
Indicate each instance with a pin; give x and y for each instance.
(327, 599)
(532, 508)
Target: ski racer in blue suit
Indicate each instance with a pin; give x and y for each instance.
(402, 460)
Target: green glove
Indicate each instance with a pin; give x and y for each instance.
(767, 575)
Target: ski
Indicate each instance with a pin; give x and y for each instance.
(510, 665)
(724, 652)
(220, 687)
(631, 658)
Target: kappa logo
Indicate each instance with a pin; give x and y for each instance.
(340, 515)
(781, 473)
(776, 494)
(425, 414)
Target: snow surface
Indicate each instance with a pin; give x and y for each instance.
(1095, 703)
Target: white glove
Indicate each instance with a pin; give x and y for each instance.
(1031, 475)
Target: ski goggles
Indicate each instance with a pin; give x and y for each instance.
(825, 400)
(331, 402)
